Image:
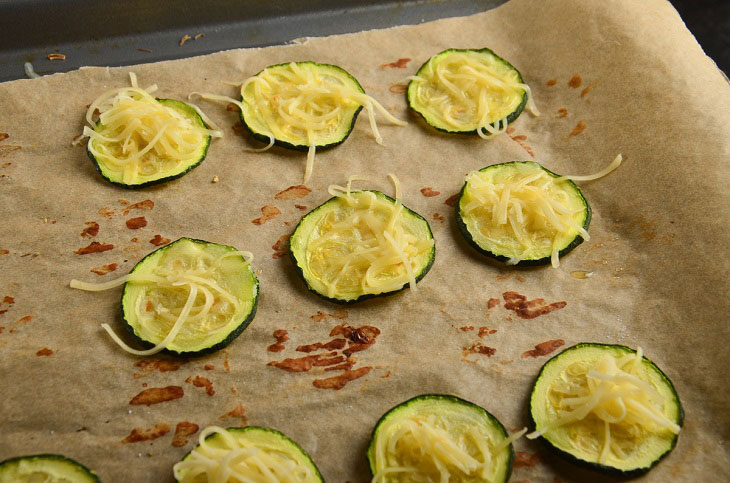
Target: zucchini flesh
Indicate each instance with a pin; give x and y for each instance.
(435, 437)
(47, 468)
(139, 140)
(246, 454)
(361, 244)
(606, 407)
(522, 213)
(468, 92)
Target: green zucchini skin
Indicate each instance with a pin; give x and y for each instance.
(188, 354)
(607, 470)
(510, 118)
(277, 434)
(300, 270)
(7, 465)
(522, 263)
(439, 397)
(303, 147)
(178, 105)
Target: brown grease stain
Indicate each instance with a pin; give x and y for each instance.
(4, 251)
(428, 192)
(452, 200)
(182, 431)
(485, 331)
(525, 459)
(334, 344)
(138, 434)
(238, 129)
(575, 81)
(267, 212)
(520, 139)
(281, 247)
(94, 247)
(544, 348)
(337, 314)
(3, 136)
(231, 107)
(479, 348)
(44, 352)
(398, 64)
(136, 223)
(209, 367)
(140, 205)
(6, 303)
(7, 164)
(157, 395)
(123, 202)
(345, 366)
(159, 240)
(147, 366)
(340, 381)
(529, 309)
(301, 207)
(292, 192)
(398, 88)
(104, 269)
(106, 213)
(579, 128)
(281, 336)
(25, 320)
(237, 412)
(585, 91)
(226, 364)
(551, 82)
(303, 364)
(91, 230)
(562, 112)
(200, 381)
(466, 328)
(439, 217)
(492, 302)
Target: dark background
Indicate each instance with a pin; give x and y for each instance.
(709, 21)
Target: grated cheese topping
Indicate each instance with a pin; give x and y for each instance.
(429, 448)
(469, 91)
(304, 104)
(367, 245)
(524, 212)
(229, 457)
(612, 398)
(186, 299)
(137, 138)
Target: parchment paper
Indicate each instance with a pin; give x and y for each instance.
(657, 250)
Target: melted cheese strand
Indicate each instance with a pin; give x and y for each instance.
(614, 164)
(237, 459)
(170, 336)
(611, 391)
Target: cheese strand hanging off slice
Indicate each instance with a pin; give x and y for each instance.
(158, 303)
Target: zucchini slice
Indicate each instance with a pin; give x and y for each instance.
(48, 468)
(522, 213)
(468, 91)
(246, 454)
(434, 437)
(189, 298)
(139, 140)
(304, 106)
(361, 244)
(606, 407)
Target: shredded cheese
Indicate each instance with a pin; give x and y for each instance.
(469, 91)
(304, 104)
(185, 297)
(137, 138)
(366, 245)
(426, 447)
(230, 457)
(610, 397)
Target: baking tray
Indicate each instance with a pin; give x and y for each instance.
(111, 33)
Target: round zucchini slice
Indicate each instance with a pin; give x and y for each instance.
(606, 407)
(305, 106)
(360, 245)
(139, 140)
(434, 437)
(48, 468)
(467, 91)
(207, 291)
(246, 454)
(522, 213)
